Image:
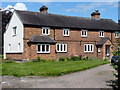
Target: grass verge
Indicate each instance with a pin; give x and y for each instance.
(48, 68)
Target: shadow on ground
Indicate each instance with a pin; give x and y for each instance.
(113, 84)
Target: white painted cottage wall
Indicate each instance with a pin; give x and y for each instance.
(14, 40)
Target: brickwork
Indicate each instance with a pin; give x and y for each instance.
(75, 43)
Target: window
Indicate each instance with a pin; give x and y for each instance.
(116, 34)
(84, 33)
(88, 48)
(43, 48)
(46, 31)
(61, 47)
(19, 47)
(15, 31)
(9, 47)
(101, 33)
(65, 32)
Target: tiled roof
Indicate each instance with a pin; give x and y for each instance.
(42, 39)
(103, 40)
(53, 20)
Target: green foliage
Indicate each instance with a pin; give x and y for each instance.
(74, 58)
(85, 58)
(38, 59)
(61, 59)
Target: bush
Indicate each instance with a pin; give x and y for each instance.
(74, 58)
(85, 58)
(61, 59)
(38, 59)
(9, 61)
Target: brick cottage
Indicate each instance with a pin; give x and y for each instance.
(50, 36)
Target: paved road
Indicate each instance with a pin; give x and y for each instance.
(92, 78)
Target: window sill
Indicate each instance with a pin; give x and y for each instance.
(84, 36)
(66, 35)
(43, 52)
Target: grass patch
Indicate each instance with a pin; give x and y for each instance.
(48, 68)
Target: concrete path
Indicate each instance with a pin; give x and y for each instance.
(92, 78)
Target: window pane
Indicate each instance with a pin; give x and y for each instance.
(43, 31)
(46, 31)
(39, 48)
(85, 47)
(88, 47)
(85, 33)
(57, 47)
(61, 47)
(82, 32)
(64, 47)
(47, 48)
(91, 48)
(43, 48)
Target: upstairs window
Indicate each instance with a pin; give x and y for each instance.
(15, 31)
(65, 32)
(88, 48)
(84, 33)
(61, 47)
(43, 48)
(45, 30)
(101, 33)
(116, 34)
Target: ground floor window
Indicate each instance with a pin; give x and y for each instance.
(88, 48)
(43, 48)
(61, 47)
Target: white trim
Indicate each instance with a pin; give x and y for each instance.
(64, 49)
(45, 30)
(41, 48)
(82, 33)
(100, 33)
(65, 30)
(91, 45)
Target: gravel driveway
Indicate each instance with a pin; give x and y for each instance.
(92, 78)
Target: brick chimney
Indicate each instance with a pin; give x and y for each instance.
(96, 14)
(44, 9)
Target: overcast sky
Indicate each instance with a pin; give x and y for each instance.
(108, 10)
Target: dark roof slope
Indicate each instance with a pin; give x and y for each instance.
(103, 40)
(37, 18)
(42, 39)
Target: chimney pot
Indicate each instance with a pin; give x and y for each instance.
(44, 9)
(96, 14)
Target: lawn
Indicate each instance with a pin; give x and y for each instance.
(55, 68)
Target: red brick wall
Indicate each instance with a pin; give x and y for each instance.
(75, 43)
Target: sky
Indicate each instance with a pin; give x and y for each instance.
(108, 10)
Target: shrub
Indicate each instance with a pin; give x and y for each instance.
(74, 58)
(9, 61)
(85, 58)
(61, 59)
(38, 59)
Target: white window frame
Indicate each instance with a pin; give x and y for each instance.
(41, 48)
(100, 35)
(90, 45)
(65, 32)
(64, 49)
(116, 34)
(46, 31)
(82, 31)
(14, 31)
